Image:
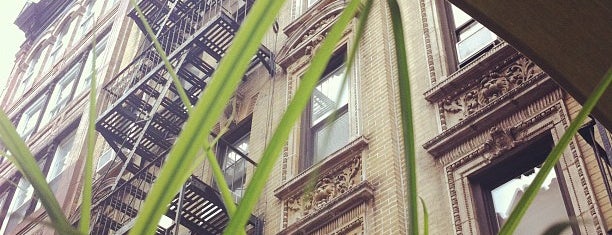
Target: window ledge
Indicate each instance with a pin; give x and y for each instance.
(330, 165)
(357, 195)
(456, 81)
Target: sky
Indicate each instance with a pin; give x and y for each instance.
(11, 40)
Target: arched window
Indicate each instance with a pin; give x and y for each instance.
(27, 79)
(63, 39)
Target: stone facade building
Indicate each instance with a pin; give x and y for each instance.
(485, 117)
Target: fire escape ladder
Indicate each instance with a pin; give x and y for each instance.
(147, 115)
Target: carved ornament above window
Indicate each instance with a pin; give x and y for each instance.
(306, 33)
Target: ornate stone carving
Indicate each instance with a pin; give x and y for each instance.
(325, 189)
(492, 86)
(306, 33)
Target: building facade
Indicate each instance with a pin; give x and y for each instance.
(485, 117)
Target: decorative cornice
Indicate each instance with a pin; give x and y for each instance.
(483, 118)
(305, 33)
(490, 60)
(327, 167)
(356, 196)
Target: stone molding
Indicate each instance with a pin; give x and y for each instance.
(356, 196)
(502, 139)
(334, 185)
(306, 33)
(476, 104)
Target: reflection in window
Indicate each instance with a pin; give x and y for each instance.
(27, 79)
(471, 37)
(62, 93)
(58, 49)
(86, 75)
(545, 210)
(60, 161)
(19, 205)
(498, 188)
(29, 120)
(234, 166)
(327, 115)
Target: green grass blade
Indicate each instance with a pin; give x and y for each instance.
(205, 114)
(25, 162)
(85, 221)
(425, 217)
(406, 113)
(293, 112)
(519, 211)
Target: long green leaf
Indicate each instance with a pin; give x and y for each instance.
(297, 105)
(519, 211)
(425, 217)
(204, 115)
(85, 221)
(406, 113)
(23, 159)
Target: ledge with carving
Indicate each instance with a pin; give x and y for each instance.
(325, 190)
(487, 97)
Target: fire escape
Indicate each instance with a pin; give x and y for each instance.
(147, 115)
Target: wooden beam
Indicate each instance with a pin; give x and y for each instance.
(571, 40)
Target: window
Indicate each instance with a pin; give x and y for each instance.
(63, 38)
(88, 18)
(469, 37)
(30, 119)
(105, 160)
(300, 6)
(19, 205)
(498, 189)
(235, 150)
(27, 79)
(100, 54)
(4, 199)
(62, 93)
(59, 161)
(326, 120)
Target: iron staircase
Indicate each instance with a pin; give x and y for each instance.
(147, 116)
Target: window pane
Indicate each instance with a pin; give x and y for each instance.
(29, 119)
(329, 95)
(459, 17)
(331, 137)
(472, 39)
(234, 167)
(547, 208)
(58, 165)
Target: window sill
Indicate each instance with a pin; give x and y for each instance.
(336, 207)
(322, 169)
(455, 81)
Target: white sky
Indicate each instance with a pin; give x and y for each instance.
(10, 39)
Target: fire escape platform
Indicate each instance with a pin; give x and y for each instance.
(203, 210)
(146, 117)
(121, 125)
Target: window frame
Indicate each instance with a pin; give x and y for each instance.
(86, 73)
(39, 105)
(516, 163)
(226, 145)
(309, 129)
(451, 37)
(56, 102)
(8, 193)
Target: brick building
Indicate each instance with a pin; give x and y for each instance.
(486, 117)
